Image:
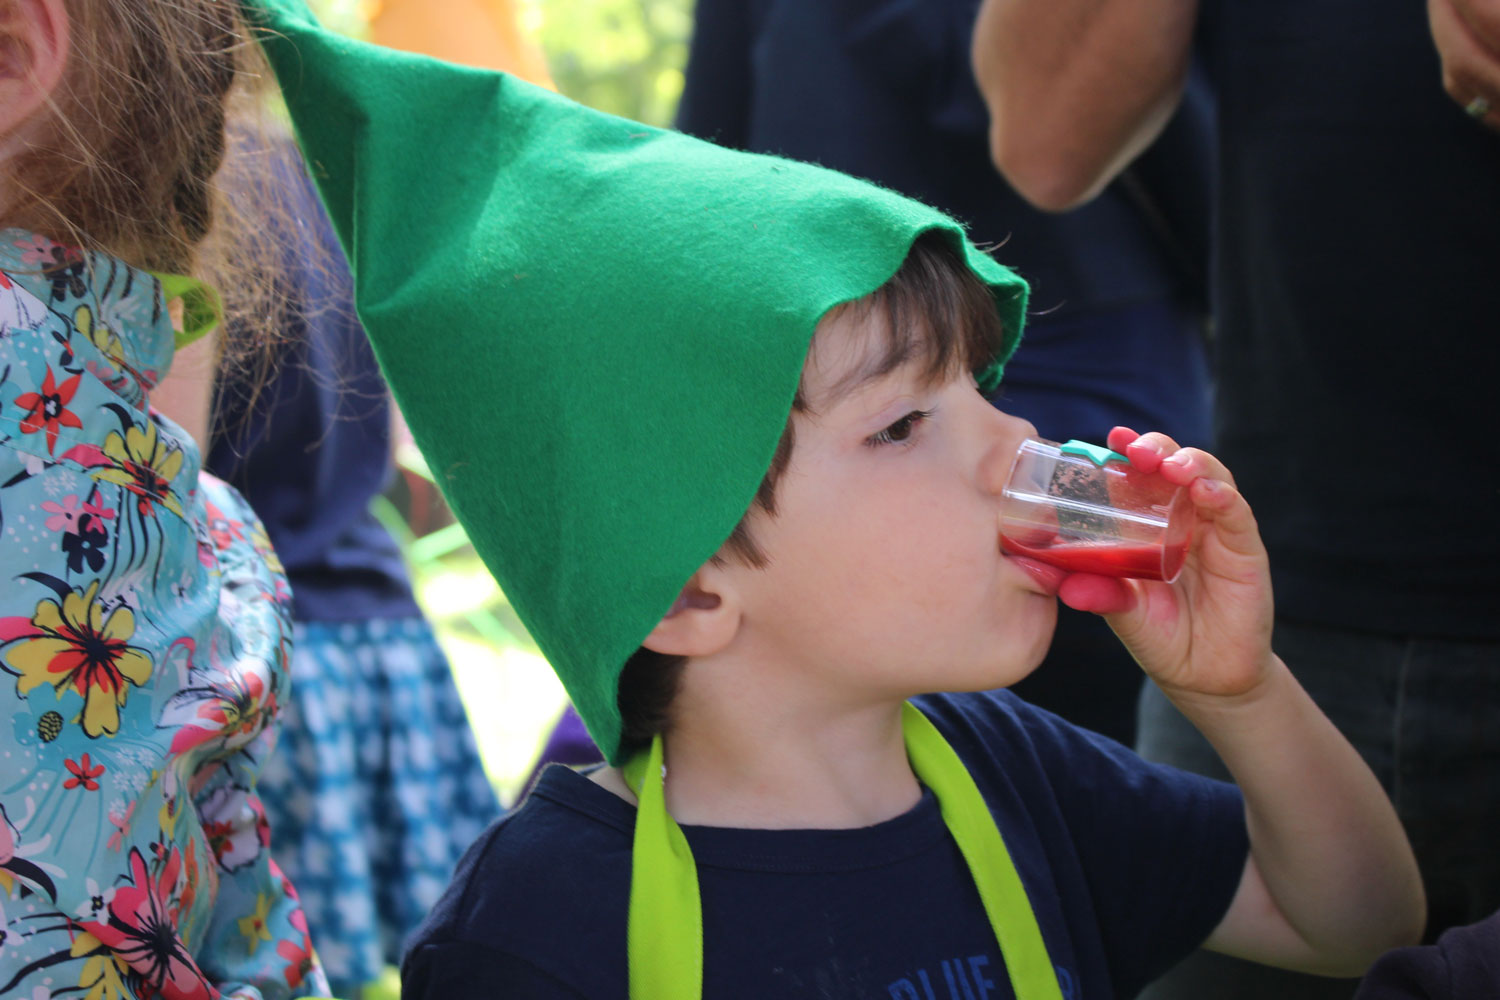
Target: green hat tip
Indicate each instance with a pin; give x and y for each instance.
(535, 279)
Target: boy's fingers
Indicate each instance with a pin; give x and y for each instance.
(1184, 466)
(1147, 451)
(1101, 595)
(1234, 523)
(1119, 439)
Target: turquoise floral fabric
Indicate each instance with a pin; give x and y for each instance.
(144, 633)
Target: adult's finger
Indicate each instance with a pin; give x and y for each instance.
(1471, 71)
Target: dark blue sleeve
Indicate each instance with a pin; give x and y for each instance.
(715, 102)
(1165, 857)
(457, 970)
(1151, 855)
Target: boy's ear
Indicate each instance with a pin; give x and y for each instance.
(33, 53)
(702, 621)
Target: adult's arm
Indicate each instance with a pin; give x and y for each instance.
(1078, 88)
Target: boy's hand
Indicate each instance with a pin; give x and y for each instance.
(1208, 633)
(1331, 881)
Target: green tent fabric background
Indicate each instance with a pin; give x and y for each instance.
(594, 328)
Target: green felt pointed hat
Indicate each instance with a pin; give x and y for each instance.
(594, 328)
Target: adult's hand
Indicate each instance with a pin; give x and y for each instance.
(1467, 36)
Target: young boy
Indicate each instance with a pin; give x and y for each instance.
(718, 416)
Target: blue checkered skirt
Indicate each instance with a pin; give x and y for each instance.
(375, 789)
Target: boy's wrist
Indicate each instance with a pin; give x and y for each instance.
(1209, 707)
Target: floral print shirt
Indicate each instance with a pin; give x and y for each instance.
(144, 631)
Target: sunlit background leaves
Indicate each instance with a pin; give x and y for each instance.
(620, 56)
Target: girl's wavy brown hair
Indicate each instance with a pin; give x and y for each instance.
(162, 110)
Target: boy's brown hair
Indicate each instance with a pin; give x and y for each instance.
(933, 309)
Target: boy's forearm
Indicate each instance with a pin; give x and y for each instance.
(1078, 88)
(1324, 838)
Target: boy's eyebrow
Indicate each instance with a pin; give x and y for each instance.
(874, 366)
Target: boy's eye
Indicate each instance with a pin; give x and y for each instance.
(899, 431)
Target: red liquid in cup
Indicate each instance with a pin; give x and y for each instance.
(1141, 562)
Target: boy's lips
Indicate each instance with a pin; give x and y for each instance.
(1049, 578)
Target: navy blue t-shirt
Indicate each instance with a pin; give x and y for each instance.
(1129, 866)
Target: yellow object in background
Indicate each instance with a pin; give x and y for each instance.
(482, 33)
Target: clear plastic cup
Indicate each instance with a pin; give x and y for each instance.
(1086, 509)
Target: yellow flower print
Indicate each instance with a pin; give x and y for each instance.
(100, 975)
(254, 926)
(81, 646)
(101, 335)
(144, 465)
(261, 543)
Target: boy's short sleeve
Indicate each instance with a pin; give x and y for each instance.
(1135, 863)
(454, 970)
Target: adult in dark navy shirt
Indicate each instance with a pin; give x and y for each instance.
(1357, 247)
(1127, 865)
(882, 90)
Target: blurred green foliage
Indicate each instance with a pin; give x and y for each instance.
(621, 56)
(349, 17)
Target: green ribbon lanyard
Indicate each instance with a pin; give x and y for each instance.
(665, 934)
(202, 308)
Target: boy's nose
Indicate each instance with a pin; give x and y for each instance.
(1006, 434)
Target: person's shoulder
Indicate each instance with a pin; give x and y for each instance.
(550, 876)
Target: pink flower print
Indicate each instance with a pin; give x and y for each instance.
(121, 823)
(222, 529)
(299, 961)
(35, 250)
(113, 378)
(64, 515)
(83, 774)
(233, 709)
(100, 511)
(8, 836)
(142, 929)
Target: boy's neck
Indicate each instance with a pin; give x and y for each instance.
(781, 768)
